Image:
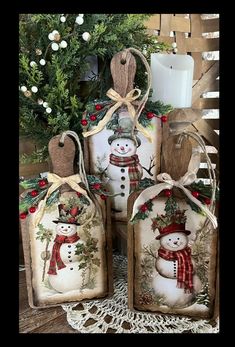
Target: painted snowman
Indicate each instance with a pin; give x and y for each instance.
(64, 274)
(124, 170)
(176, 280)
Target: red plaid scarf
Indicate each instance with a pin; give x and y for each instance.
(185, 267)
(133, 171)
(55, 257)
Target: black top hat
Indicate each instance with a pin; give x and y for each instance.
(68, 215)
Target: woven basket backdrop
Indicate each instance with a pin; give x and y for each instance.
(197, 35)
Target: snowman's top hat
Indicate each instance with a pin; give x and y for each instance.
(68, 215)
(124, 130)
(172, 228)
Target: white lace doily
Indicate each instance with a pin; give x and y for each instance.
(113, 316)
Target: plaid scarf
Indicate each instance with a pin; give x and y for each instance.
(55, 257)
(133, 171)
(185, 267)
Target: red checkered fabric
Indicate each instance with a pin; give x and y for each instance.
(133, 169)
(185, 266)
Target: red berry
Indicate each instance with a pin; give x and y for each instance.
(93, 117)
(207, 201)
(164, 119)
(34, 193)
(195, 194)
(71, 220)
(32, 209)
(78, 194)
(74, 211)
(167, 192)
(42, 183)
(96, 186)
(103, 197)
(150, 115)
(98, 107)
(23, 215)
(143, 208)
(84, 122)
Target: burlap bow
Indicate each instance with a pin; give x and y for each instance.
(57, 181)
(119, 101)
(169, 183)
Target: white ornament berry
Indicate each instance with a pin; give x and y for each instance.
(79, 20)
(81, 15)
(51, 36)
(62, 19)
(45, 104)
(175, 50)
(32, 63)
(48, 110)
(63, 44)
(42, 62)
(55, 32)
(55, 46)
(174, 44)
(40, 101)
(86, 36)
(23, 89)
(34, 89)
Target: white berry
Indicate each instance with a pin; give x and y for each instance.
(34, 89)
(175, 50)
(55, 46)
(55, 32)
(51, 36)
(40, 101)
(45, 104)
(81, 15)
(42, 62)
(79, 20)
(86, 36)
(23, 89)
(32, 63)
(174, 44)
(62, 19)
(63, 44)
(48, 110)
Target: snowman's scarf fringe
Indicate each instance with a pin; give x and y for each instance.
(133, 170)
(185, 266)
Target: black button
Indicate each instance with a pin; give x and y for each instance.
(123, 178)
(122, 186)
(69, 246)
(70, 260)
(122, 194)
(122, 170)
(69, 252)
(71, 268)
(69, 256)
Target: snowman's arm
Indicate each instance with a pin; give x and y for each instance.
(151, 166)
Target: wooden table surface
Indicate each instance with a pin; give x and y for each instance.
(47, 320)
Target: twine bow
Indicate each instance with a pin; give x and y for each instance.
(57, 181)
(119, 101)
(169, 183)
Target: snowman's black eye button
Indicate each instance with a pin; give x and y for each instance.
(169, 239)
(126, 145)
(178, 238)
(117, 144)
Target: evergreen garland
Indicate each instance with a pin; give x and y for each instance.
(59, 81)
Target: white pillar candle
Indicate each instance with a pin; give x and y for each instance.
(172, 78)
